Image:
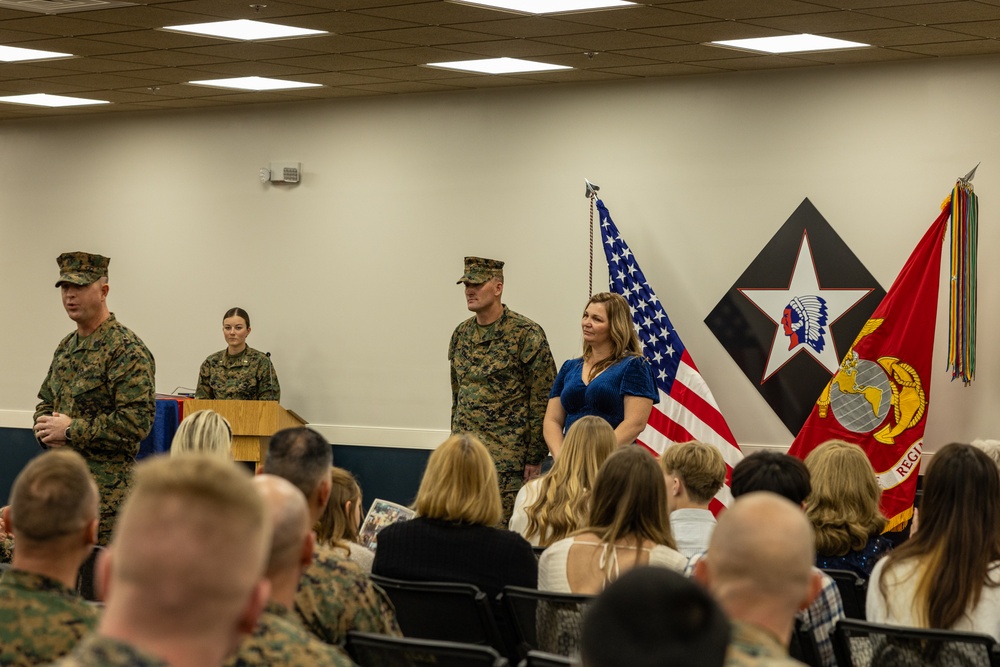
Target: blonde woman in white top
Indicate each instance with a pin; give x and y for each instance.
(550, 507)
(628, 526)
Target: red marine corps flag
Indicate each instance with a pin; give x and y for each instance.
(879, 397)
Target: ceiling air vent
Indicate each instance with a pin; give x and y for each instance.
(61, 6)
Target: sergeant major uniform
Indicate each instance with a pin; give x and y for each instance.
(104, 382)
(501, 375)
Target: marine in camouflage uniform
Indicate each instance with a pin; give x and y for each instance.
(335, 597)
(247, 376)
(752, 646)
(6, 549)
(99, 651)
(280, 639)
(40, 619)
(501, 375)
(104, 382)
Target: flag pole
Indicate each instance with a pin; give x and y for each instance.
(592, 195)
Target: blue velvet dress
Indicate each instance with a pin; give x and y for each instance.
(605, 395)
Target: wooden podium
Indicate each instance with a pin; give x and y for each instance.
(253, 422)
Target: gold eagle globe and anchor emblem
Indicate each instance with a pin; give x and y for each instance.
(862, 393)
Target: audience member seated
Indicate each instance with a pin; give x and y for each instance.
(652, 617)
(759, 568)
(844, 509)
(788, 477)
(6, 543)
(628, 526)
(947, 575)
(550, 507)
(990, 447)
(203, 432)
(54, 511)
(279, 638)
(183, 579)
(453, 536)
(338, 527)
(334, 595)
(694, 473)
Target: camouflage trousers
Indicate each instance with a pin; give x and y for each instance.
(114, 480)
(511, 482)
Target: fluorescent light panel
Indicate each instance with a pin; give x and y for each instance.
(498, 66)
(13, 54)
(254, 83)
(244, 29)
(789, 44)
(46, 100)
(549, 6)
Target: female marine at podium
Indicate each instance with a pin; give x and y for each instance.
(239, 372)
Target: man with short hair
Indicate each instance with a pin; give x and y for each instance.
(279, 638)
(759, 568)
(183, 579)
(53, 510)
(694, 473)
(334, 595)
(99, 395)
(652, 616)
(501, 375)
(788, 477)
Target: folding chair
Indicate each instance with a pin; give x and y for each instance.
(372, 650)
(543, 659)
(549, 622)
(853, 591)
(443, 611)
(862, 644)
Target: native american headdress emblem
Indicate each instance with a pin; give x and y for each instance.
(804, 320)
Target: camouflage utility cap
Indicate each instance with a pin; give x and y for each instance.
(478, 270)
(81, 268)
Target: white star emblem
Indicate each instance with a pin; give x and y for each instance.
(804, 282)
(670, 350)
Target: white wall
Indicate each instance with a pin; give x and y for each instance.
(350, 276)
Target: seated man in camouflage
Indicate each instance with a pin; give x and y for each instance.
(53, 511)
(279, 638)
(334, 596)
(183, 578)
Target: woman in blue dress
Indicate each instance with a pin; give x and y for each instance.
(611, 380)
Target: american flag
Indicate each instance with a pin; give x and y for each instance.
(687, 410)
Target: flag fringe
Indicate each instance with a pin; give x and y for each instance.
(963, 289)
(898, 522)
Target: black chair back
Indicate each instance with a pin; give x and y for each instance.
(372, 650)
(862, 644)
(86, 584)
(803, 646)
(549, 622)
(443, 611)
(543, 659)
(853, 590)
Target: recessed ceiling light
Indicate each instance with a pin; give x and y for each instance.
(244, 29)
(789, 44)
(254, 83)
(498, 66)
(549, 6)
(12, 54)
(45, 100)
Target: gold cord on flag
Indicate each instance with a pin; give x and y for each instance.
(963, 287)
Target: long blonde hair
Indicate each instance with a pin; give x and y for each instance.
(336, 527)
(629, 502)
(844, 504)
(460, 483)
(564, 493)
(624, 340)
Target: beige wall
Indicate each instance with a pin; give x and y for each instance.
(350, 276)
